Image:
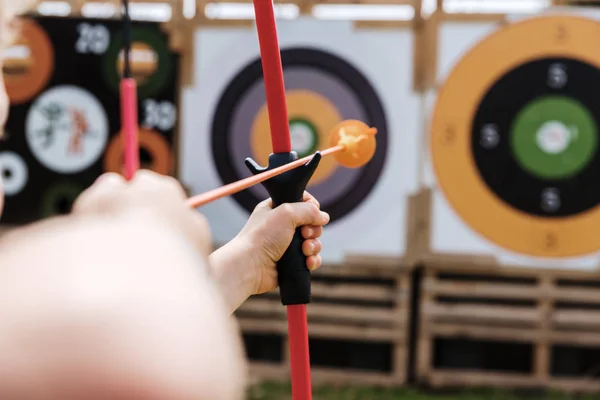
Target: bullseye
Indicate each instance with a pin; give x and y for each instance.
(303, 136)
(553, 137)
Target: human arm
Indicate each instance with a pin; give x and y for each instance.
(114, 301)
(247, 265)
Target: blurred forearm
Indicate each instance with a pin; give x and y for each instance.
(234, 272)
(120, 307)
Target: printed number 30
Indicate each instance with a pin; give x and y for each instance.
(161, 115)
(93, 39)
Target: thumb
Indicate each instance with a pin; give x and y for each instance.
(300, 214)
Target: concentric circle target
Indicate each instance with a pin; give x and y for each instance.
(155, 153)
(322, 90)
(515, 137)
(29, 63)
(66, 129)
(152, 64)
(14, 173)
(59, 199)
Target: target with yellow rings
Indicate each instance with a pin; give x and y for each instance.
(311, 118)
(322, 90)
(514, 137)
(29, 63)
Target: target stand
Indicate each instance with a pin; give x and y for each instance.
(514, 146)
(62, 77)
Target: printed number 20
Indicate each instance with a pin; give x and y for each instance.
(93, 39)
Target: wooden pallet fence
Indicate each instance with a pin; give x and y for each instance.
(358, 326)
(574, 331)
(485, 325)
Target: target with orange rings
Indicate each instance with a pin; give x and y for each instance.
(534, 195)
(29, 63)
(155, 153)
(322, 90)
(311, 117)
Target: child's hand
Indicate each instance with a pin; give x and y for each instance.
(160, 198)
(271, 231)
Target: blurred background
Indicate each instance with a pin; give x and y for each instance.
(463, 256)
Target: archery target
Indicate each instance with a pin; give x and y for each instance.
(59, 199)
(155, 154)
(28, 64)
(332, 72)
(13, 173)
(67, 129)
(151, 61)
(514, 141)
(322, 89)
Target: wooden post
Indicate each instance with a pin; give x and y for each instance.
(541, 367)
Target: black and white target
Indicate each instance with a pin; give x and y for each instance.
(322, 89)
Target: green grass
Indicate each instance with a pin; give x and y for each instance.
(274, 391)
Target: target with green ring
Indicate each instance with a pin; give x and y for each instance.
(322, 90)
(514, 137)
(554, 137)
(304, 136)
(59, 199)
(156, 41)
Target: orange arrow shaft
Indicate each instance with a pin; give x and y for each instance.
(238, 186)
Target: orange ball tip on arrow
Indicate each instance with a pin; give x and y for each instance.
(358, 140)
(352, 143)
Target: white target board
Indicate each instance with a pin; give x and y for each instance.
(333, 72)
(484, 212)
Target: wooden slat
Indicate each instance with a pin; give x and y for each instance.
(576, 338)
(322, 376)
(572, 319)
(326, 2)
(479, 313)
(354, 291)
(446, 378)
(484, 265)
(474, 17)
(367, 266)
(266, 371)
(329, 311)
(575, 385)
(371, 2)
(382, 24)
(397, 334)
(449, 378)
(576, 295)
(332, 331)
(488, 290)
(481, 332)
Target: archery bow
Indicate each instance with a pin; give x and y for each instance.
(293, 274)
(129, 115)
(285, 178)
(352, 143)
